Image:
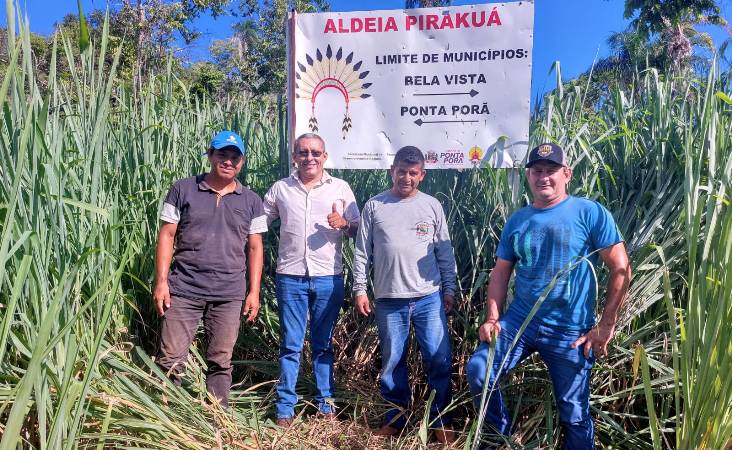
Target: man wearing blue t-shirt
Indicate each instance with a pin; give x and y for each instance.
(545, 243)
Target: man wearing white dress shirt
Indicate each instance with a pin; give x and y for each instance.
(315, 210)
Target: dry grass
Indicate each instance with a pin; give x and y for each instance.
(344, 434)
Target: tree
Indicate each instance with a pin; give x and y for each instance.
(661, 36)
(207, 79)
(230, 57)
(674, 21)
(147, 30)
(152, 25)
(262, 36)
(40, 48)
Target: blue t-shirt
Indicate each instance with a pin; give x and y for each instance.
(541, 242)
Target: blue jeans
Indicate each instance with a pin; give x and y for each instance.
(321, 299)
(568, 368)
(393, 318)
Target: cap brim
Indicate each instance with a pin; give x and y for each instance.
(529, 164)
(243, 152)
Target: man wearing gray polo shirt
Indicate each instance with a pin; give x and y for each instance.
(403, 235)
(210, 225)
(315, 210)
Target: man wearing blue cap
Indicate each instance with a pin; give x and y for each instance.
(211, 225)
(551, 244)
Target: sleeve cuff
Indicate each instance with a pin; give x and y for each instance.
(258, 225)
(170, 213)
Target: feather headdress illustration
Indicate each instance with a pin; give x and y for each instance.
(330, 71)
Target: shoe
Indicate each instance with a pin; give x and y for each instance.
(284, 422)
(386, 430)
(445, 435)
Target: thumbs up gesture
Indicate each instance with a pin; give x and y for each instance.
(335, 220)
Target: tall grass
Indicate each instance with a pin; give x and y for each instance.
(85, 164)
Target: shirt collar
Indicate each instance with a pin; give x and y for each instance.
(202, 185)
(326, 178)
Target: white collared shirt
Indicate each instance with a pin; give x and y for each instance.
(308, 245)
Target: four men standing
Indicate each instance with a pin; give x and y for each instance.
(208, 221)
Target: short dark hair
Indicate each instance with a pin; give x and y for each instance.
(410, 155)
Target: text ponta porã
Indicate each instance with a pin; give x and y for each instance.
(443, 110)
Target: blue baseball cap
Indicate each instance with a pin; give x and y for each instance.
(228, 138)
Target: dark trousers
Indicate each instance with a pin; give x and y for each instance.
(221, 322)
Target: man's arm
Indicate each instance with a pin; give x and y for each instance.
(163, 257)
(351, 212)
(255, 262)
(348, 222)
(352, 229)
(497, 292)
(445, 256)
(339, 222)
(269, 204)
(361, 259)
(616, 258)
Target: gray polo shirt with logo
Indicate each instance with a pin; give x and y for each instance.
(209, 261)
(409, 245)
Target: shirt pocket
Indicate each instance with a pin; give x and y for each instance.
(321, 208)
(292, 225)
(239, 220)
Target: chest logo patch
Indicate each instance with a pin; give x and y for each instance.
(423, 229)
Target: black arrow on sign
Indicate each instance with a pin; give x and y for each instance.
(420, 121)
(472, 93)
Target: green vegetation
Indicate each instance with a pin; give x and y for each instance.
(86, 161)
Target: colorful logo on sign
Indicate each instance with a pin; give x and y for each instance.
(475, 154)
(330, 71)
(431, 158)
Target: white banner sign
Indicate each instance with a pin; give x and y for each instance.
(453, 81)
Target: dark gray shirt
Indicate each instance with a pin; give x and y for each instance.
(407, 241)
(209, 261)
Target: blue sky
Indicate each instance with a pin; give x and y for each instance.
(573, 32)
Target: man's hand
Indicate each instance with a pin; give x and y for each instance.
(596, 339)
(163, 256)
(488, 330)
(362, 305)
(449, 301)
(251, 307)
(335, 220)
(161, 297)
